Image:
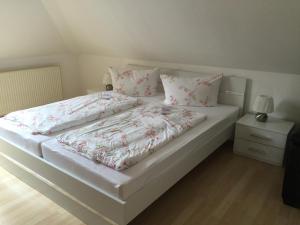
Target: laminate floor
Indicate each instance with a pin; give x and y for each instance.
(225, 189)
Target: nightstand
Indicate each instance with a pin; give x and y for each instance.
(263, 141)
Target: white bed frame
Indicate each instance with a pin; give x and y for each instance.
(96, 207)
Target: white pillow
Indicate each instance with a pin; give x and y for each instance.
(191, 90)
(135, 82)
(160, 88)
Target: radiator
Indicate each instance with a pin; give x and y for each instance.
(28, 88)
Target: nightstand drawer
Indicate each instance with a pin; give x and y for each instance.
(258, 151)
(260, 136)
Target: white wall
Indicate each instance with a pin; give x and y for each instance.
(69, 68)
(27, 30)
(92, 69)
(249, 34)
(285, 88)
(29, 38)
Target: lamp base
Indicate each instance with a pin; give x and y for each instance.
(261, 117)
(108, 87)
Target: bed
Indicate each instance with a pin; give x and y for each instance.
(123, 184)
(112, 197)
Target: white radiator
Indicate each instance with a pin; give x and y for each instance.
(28, 88)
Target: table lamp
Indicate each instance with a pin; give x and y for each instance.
(107, 81)
(263, 104)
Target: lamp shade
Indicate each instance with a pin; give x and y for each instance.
(263, 104)
(106, 78)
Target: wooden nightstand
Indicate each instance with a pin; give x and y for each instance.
(262, 141)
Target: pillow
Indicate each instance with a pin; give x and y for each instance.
(135, 82)
(191, 90)
(160, 88)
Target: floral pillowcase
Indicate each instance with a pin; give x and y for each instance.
(191, 90)
(135, 82)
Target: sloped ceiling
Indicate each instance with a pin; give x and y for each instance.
(248, 34)
(27, 30)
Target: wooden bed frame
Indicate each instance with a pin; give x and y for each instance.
(94, 206)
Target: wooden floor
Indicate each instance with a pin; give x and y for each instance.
(226, 189)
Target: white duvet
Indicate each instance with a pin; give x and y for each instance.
(122, 140)
(61, 115)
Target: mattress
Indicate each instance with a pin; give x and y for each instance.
(22, 138)
(122, 184)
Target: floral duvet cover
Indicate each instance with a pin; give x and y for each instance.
(123, 140)
(65, 114)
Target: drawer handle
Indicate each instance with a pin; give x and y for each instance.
(259, 151)
(260, 137)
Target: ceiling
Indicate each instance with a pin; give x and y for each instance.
(247, 34)
(27, 30)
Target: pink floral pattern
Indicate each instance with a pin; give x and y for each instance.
(123, 140)
(135, 82)
(65, 114)
(191, 91)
